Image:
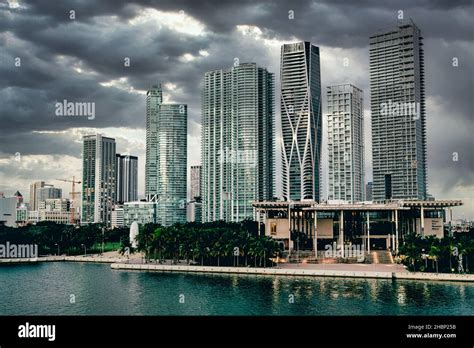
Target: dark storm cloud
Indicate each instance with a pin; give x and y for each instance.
(52, 48)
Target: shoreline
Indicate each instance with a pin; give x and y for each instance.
(295, 271)
(371, 271)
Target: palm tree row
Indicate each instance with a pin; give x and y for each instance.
(431, 254)
(217, 243)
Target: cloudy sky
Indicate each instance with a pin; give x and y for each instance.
(49, 53)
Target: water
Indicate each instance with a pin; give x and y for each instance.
(46, 289)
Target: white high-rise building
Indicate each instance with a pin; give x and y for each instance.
(345, 143)
(301, 121)
(98, 179)
(237, 141)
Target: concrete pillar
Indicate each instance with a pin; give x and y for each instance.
(422, 219)
(396, 231)
(258, 221)
(368, 233)
(289, 227)
(315, 235)
(341, 232)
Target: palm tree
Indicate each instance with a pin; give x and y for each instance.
(434, 254)
(464, 248)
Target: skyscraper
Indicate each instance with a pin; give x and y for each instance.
(98, 178)
(398, 114)
(345, 143)
(126, 178)
(301, 121)
(166, 157)
(196, 182)
(194, 207)
(238, 127)
(33, 194)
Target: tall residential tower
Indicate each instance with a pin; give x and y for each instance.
(398, 114)
(166, 157)
(98, 179)
(238, 131)
(345, 143)
(301, 121)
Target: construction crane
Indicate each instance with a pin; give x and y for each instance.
(73, 197)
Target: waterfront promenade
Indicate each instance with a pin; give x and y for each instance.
(135, 263)
(315, 270)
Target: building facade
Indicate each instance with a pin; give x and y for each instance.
(98, 179)
(57, 210)
(126, 178)
(368, 191)
(398, 114)
(301, 121)
(141, 212)
(33, 193)
(166, 157)
(47, 192)
(345, 143)
(8, 206)
(195, 182)
(117, 217)
(237, 141)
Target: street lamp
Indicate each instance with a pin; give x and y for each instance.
(57, 246)
(85, 249)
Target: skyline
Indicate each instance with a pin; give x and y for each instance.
(263, 41)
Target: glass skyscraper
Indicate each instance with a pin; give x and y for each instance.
(301, 121)
(398, 114)
(238, 131)
(126, 178)
(98, 179)
(166, 157)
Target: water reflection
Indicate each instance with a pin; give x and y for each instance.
(45, 289)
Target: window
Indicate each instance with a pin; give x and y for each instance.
(273, 228)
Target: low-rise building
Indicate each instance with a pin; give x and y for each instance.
(8, 206)
(141, 212)
(117, 217)
(370, 225)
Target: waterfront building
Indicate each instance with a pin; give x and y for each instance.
(98, 178)
(166, 157)
(126, 178)
(398, 114)
(374, 226)
(301, 121)
(345, 143)
(237, 141)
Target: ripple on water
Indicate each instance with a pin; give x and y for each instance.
(46, 288)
